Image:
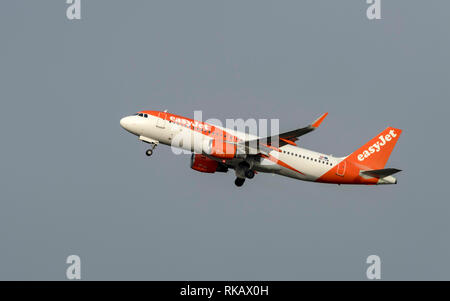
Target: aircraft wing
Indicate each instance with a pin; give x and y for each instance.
(262, 144)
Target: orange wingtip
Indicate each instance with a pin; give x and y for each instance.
(319, 120)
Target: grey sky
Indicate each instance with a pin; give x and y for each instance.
(74, 182)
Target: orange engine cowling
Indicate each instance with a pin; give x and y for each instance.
(202, 163)
(220, 149)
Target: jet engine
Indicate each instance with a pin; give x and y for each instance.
(202, 163)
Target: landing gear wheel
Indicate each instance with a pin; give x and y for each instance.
(250, 174)
(239, 182)
(149, 152)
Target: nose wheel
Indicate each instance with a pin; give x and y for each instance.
(149, 152)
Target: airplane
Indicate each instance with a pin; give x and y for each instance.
(218, 149)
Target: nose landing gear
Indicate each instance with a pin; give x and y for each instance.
(149, 152)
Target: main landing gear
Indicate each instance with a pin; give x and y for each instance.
(149, 152)
(239, 182)
(249, 174)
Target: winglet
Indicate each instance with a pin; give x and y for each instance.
(319, 120)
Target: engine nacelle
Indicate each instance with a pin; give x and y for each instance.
(203, 164)
(219, 149)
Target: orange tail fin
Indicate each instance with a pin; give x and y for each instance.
(375, 153)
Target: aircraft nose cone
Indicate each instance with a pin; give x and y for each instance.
(124, 122)
(130, 124)
(127, 123)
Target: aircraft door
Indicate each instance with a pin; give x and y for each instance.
(340, 171)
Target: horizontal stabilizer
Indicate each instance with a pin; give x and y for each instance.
(380, 173)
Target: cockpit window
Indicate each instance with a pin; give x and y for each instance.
(145, 115)
(140, 114)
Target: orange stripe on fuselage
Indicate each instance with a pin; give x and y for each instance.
(281, 163)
